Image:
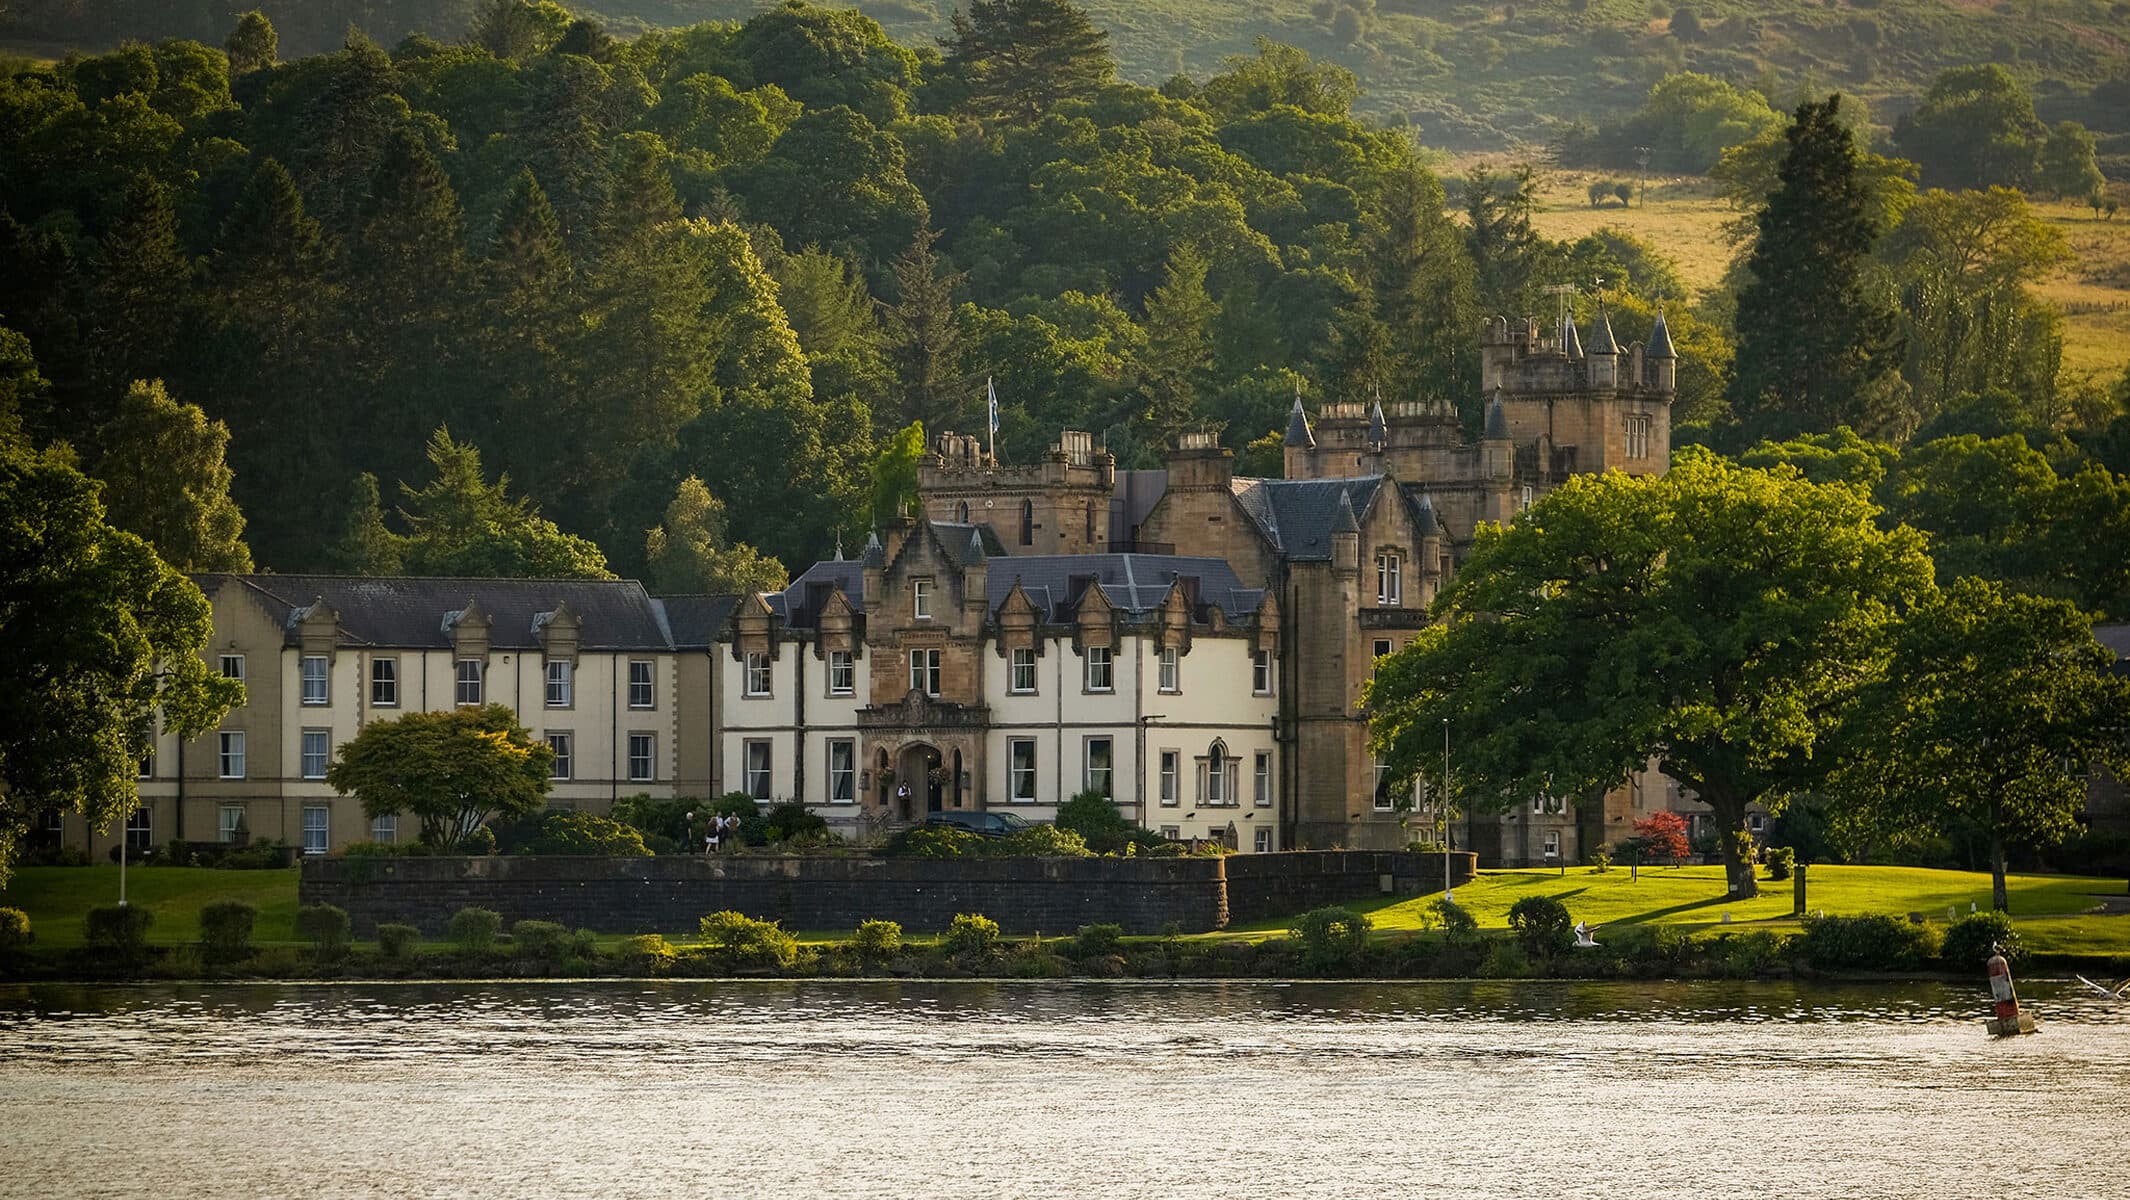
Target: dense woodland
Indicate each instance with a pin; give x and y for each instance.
(542, 300)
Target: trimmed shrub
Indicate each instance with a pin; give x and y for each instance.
(934, 841)
(1971, 940)
(582, 834)
(746, 943)
(1781, 861)
(1095, 818)
(225, 930)
(325, 927)
(1332, 939)
(877, 941)
(1542, 926)
(542, 940)
(474, 929)
(1600, 860)
(1044, 841)
(260, 854)
(793, 821)
(15, 932)
(648, 952)
(396, 942)
(1747, 955)
(120, 929)
(970, 935)
(1866, 943)
(1097, 941)
(481, 841)
(386, 850)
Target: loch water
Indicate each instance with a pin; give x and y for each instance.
(912, 1090)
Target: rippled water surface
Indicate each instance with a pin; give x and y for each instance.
(973, 1089)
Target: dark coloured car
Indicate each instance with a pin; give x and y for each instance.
(983, 824)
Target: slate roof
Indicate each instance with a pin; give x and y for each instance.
(2116, 638)
(1135, 583)
(693, 622)
(1298, 426)
(1601, 339)
(410, 613)
(1660, 340)
(800, 602)
(1296, 515)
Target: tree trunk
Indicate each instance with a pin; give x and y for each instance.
(1999, 898)
(1729, 813)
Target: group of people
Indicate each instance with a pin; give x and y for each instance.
(719, 833)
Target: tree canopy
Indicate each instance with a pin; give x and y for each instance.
(453, 770)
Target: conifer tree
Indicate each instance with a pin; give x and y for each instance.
(1179, 346)
(462, 524)
(141, 282)
(165, 479)
(366, 546)
(344, 130)
(1816, 347)
(1019, 59)
(524, 338)
(922, 336)
(252, 45)
(690, 551)
(1424, 289)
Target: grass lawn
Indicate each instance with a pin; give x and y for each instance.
(56, 899)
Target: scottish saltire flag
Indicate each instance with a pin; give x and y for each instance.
(992, 393)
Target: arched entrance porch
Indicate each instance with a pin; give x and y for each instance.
(919, 785)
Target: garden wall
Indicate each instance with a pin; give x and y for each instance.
(1024, 895)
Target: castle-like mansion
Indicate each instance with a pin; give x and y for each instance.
(1190, 643)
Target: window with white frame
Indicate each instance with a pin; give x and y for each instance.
(145, 767)
(1390, 587)
(561, 683)
(1385, 802)
(384, 682)
(233, 667)
(1100, 678)
(1099, 766)
(924, 671)
(1549, 804)
(842, 771)
(317, 752)
(758, 762)
(140, 829)
(1263, 841)
(1262, 793)
(1524, 501)
(643, 757)
(1020, 770)
(921, 599)
(1261, 672)
(757, 674)
(1171, 670)
(229, 823)
(1171, 776)
(1171, 832)
(564, 744)
(317, 829)
(384, 827)
(1638, 436)
(642, 678)
(1553, 843)
(1023, 675)
(842, 674)
(317, 680)
(231, 756)
(468, 682)
(1217, 777)
(1382, 647)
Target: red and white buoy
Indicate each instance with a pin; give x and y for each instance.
(2004, 1002)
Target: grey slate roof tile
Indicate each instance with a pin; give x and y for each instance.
(410, 613)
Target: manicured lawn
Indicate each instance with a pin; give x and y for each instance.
(56, 898)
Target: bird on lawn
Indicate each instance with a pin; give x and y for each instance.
(1584, 934)
(2118, 992)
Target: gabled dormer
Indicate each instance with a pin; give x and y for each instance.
(754, 628)
(1094, 619)
(839, 627)
(1019, 623)
(317, 626)
(1172, 618)
(469, 629)
(559, 632)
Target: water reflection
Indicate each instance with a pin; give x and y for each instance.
(1065, 1089)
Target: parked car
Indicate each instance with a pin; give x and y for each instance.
(983, 824)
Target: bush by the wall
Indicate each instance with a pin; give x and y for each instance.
(747, 944)
(543, 941)
(395, 942)
(792, 821)
(934, 841)
(474, 929)
(970, 935)
(15, 934)
(1095, 818)
(118, 929)
(1098, 941)
(259, 854)
(877, 941)
(481, 841)
(1542, 926)
(1971, 940)
(387, 850)
(649, 953)
(1043, 841)
(1457, 924)
(580, 833)
(1647, 949)
(225, 930)
(1781, 861)
(1332, 939)
(325, 927)
(1867, 943)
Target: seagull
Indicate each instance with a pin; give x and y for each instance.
(1583, 935)
(2118, 992)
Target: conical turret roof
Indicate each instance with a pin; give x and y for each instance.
(1660, 340)
(1601, 339)
(1378, 428)
(1342, 520)
(1497, 419)
(1298, 426)
(1571, 343)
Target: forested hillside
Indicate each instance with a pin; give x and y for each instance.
(1467, 75)
(548, 301)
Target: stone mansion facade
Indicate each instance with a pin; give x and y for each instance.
(1191, 643)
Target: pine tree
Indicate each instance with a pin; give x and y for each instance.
(366, 546)
(252, 45)
(141, 282)
(344, 130)
(464, 525)
(921, 334)
(690, 552)
(523, 339)
(1816, 347)
(1424, 289)
(1021, 58)
(1179, 346)
(165, 479)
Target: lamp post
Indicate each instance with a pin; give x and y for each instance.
(1447, 892)
(688, 839)
(122, 831)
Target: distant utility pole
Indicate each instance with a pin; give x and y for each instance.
(1641, 161)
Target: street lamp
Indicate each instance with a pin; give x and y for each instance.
(1447, 892)
(687, 845)
(122, 832)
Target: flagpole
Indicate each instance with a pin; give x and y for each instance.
(991, 419)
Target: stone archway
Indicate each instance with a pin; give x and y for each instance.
(917, 791)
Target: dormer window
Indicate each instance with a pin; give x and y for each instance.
(561, 683)
(1390, 587)
(921, 599)
(1099, 678)
(757, 674)
(1171, 673)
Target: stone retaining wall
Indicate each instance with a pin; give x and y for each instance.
(1024, 895)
